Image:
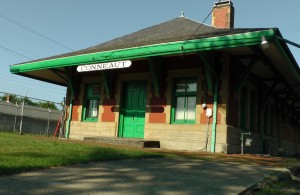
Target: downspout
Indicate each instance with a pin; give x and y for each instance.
(209, 63)
(71, 88)
(69, 119)
(214, 122)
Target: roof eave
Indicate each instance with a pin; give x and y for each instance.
(171, 48)
(286, 52)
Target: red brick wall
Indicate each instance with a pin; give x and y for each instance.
(76, 106)
(220, 15)
(108, 114)
(157, 114)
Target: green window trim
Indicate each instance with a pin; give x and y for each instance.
(184, 97)
(91, 103)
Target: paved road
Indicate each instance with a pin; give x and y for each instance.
(146, 176)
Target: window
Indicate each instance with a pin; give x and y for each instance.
(91, 106)
(184, 101)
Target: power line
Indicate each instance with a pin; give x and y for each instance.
(15, 52)
(13, 80)
(199, 26)
(34, 32)
(15, 46)
(9, 84)
(31, 40)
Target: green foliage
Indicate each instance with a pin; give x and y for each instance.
(14, 99)
(47, 104)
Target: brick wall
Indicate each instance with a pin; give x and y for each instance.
(157, 114)
(108, 114)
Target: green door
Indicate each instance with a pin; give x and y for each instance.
(133, 111)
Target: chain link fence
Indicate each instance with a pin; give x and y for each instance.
(17, 117)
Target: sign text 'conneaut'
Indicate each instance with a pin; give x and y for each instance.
(104, 66)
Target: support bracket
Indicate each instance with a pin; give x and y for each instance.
(156, 74)
(60, 74)
(243, 78)
(209, 70)
(106, 84)
(70, 83)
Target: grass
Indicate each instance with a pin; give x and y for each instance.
(20, 153)
(281, 188)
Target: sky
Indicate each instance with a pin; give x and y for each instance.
(35, 29)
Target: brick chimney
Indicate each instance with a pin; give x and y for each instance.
(223, 15)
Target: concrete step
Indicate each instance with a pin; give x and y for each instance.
(139, 143)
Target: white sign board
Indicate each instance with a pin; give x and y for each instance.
(104, 66)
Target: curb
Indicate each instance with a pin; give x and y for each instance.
(277, 176)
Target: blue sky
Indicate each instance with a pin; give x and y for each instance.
(78, 24)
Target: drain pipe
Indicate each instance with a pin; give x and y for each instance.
(214, 122)
(69, 119)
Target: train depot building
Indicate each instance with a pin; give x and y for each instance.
(184, 84)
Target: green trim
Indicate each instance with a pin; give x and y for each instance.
(120, 123)
(209, 71)
(212, 43)
(214, 122)
(69, 119)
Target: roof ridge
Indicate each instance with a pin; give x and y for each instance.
(201, 23)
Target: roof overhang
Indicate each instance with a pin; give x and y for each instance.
(47, 69)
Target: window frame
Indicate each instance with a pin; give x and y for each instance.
(88, 97)
(185, 94)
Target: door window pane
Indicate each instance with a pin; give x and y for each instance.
(190, 108)
(93, 90)
(180, 85)
(92, 109)
(191, 85)
(179, 113)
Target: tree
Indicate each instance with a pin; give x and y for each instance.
(12, 98)
(47, 104)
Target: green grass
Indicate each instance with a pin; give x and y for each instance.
(280, 188)
(21, 153)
